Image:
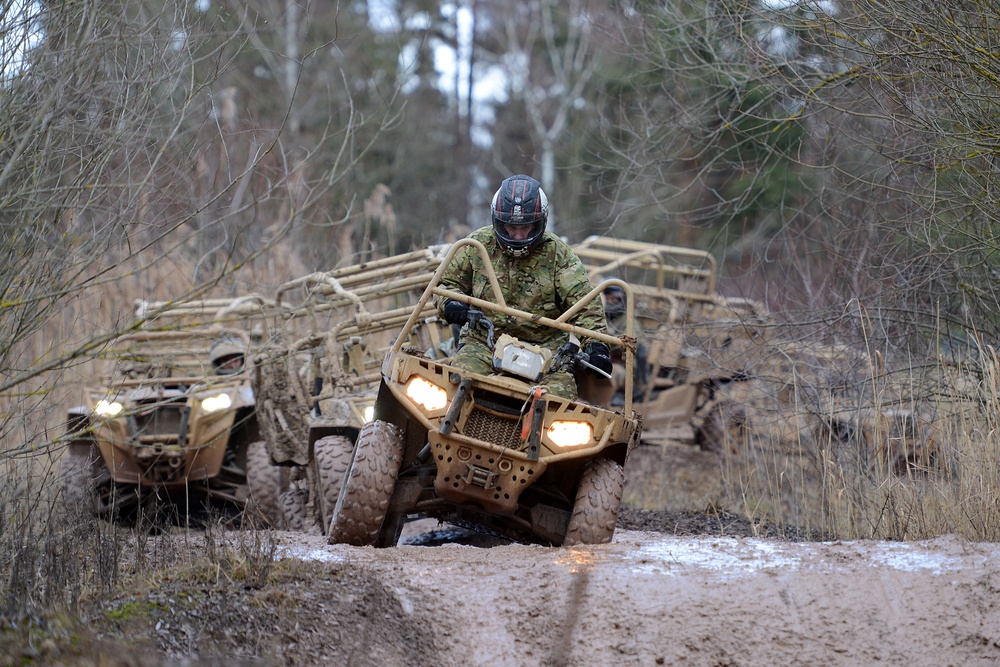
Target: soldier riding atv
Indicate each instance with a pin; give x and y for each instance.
(491, 449)
(172, 432)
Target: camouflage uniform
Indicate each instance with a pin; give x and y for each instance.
(547, 282)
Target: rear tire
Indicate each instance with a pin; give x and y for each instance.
(598, 498)
(81, 470)
(264, 485)
(368, 486)
(725, 427)
(294, 509)
(331, 458)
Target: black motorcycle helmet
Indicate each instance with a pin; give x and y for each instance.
(519, 210)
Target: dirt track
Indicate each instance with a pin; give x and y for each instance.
(650, 599)
(673, 588)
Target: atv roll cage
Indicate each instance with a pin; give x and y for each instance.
(500, 307)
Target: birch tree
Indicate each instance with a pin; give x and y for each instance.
(549, 57)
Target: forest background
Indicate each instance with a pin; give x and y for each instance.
(839, 158)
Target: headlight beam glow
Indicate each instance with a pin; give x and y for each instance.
(570, 433)
(216, 403)
(106, 408)
(426, 394)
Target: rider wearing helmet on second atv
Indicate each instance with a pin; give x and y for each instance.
(227, 355)
(615, 312)
(538, 273)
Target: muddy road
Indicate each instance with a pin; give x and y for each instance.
(645, 599)
(673, 588)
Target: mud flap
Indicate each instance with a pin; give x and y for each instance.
(405, 496)
(549, 522)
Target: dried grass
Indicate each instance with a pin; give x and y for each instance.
(788, 471)
(52, 556)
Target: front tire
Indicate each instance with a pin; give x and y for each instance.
(80, 473)
(364, 496)
(331, 458)
(595, 511)
(726, 425)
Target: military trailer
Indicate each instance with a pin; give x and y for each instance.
(171, 431)
(492, 453)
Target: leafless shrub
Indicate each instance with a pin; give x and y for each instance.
(53, 554)
(130, 169)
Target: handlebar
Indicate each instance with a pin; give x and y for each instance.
(570, 355)
(566, 356)
(477, 317)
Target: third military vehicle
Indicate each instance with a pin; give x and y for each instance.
(316, 384)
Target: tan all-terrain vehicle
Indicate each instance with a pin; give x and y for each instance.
(317, 388)
(694, 341)
(490, 453)
(714, 372)
(862, 416)
(171, 432)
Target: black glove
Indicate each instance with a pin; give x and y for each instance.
(456, 312)
(600, 356)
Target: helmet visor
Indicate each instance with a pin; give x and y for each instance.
(521, 233)
(229, 364)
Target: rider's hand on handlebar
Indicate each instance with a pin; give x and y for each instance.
(600, 356)
(474, 317)
(456, 312)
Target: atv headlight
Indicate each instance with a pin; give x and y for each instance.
(570, 434)
(216, 403)
(426, 394)
(369, 413)
(106, 408)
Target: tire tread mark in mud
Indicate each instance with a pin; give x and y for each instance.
(597, 501)
(332, 457)
(368, 486)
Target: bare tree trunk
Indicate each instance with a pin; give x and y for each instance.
(293, 61)
(568, 66)
(548, 173)
(464, 60)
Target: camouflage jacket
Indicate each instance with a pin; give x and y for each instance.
(547, 282)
